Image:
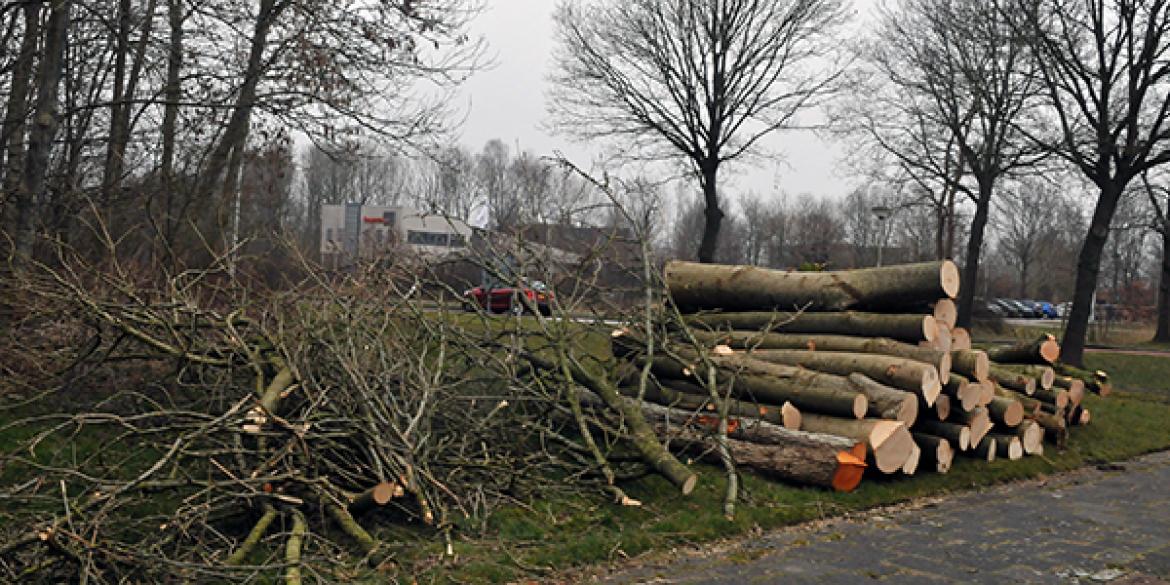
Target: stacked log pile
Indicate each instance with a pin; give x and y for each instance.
(843, 371)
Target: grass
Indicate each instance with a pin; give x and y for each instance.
(552, 537)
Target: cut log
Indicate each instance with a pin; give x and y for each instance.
(1096, 382)
(1031, 436)
(1057, 397)
(911, 464)
(978, 420)
(1013, 381)
(942, 407)
(960, 339)
(888, 442)
(375, 497)
(756, 380)
(958, 434)
(1031, 405)
(1055, 429)
(1074, 386)
(971, 363)
(886, 402)
(961, 392)
(917, 377)
(1044, 350)
(827, 342)
(942, 340)
(986, 449)
(945, 311)
(696, 286)
(1007, 446)
(912, 328)
(1006, 411)
(812, 459)
(986, 392)
(692, 397)
(1045, 376)
(936, 451)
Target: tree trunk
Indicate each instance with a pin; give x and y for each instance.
(962, 392)
(827, 342)
(936, 451)
(913, 376)
(16, 113)
(1012, 380)
(958, 434)
(125, 86)
(1045, 376)
(945, 311)
(1005, 411)
(887, 442)
(685, 395)
(1162, 334)
(974, 249)
(749, 288)
(1042, 351)
(977, 419)
(971, 363)
(1007, 446)
(1072, 349)
(885, 402)
(1031, 436)
(912, 328)
(40, 140)
(712, 214)
(1055, 428)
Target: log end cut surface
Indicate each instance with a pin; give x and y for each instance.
(790, 415)
(850, 469)
(949, 278)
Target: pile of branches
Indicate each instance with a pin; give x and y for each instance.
(194, 424)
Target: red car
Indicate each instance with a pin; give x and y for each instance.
(502, 298)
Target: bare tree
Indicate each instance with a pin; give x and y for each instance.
(694, 81)
(1103, 65)
(816, 230)
(1159, 199)
(1025, 226)
(953, 83)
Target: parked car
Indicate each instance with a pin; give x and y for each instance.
(989, 307)
(1022, 309)
(1048, 309)
(505, 298)
(1010, 308)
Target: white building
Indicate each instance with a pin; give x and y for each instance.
(356, 230)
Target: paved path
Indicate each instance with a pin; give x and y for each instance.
(1082, 527)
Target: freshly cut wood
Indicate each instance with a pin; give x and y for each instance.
(1055, 428)
(377, 496)
(986, 391)
(911, 464)
(985, 449)
(696, 286)
(960, 339)
(1008, 446)
(962, 392)
(942, 407)
(1057, 397)
(756, 380)
(971, 363)
(936, 451)
(942, 339)
(886, 402)
(1031, 436)
(1045, 376)
(958, 434)
(914, 376)
(692, 397)
(947, 312)
(1044, 350)
(812, 459)
(1012, 380)
(1096, 382)
(978, 420)
(1074, 386)
(1031, 405)
(889, 442)
(911, 328)
(827, 342)
(1006, 411)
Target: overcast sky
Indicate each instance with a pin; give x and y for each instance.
(507, 102)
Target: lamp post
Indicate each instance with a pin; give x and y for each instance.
(882, 213)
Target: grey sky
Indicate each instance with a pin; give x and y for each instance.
(507, 102)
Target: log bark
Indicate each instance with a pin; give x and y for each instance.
(807, 458)
(914, 376)
(888, 442)
(1031, 405)
(986, 449)
(743, 429)
(1096, 382)
(1012, 380)
(827, 342)
(886, 402)
(912, 328)
(375, 497)
(692, 397)
(1007, 446)
(1006, 411)
(978, 420)
(1057, 397)
(973, 364)
(1055, 428)
(700, 286)
(958, 434)
(1074, 386)
(1044, 350)
(292, 548)
(1031, 436)
(756, 380)
(1045, 376)
(961, 392)
(936, 451)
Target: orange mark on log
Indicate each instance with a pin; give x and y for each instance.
(812, 345)
(712, 422)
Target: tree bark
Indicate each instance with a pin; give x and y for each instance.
(971, 363)
(913, 376)
(1006, 411)
(747, 288)
(1162, 333)
(685, 395)
(45, 119)
(712, 214)
(888, 442)
(958, 434)
(911, 328)
(974, 249)
(986, 449)
(936, 451)
(1012, 380)
(16, 113)
(1045, 376)
(1042, 351)
(960, 390)
(827, 342)
(1072, 349)
(885, 402)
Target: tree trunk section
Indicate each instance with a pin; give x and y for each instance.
(912, 328)
(827, 342)
(1043, 351)
(688, 396)
(974, 249)
(886, 402)
(945, 311)
(1072, 349)
(749, 288)
(1031, 436)
(1162, 333)
(936, 451)
(971, 363)
(888, 442)
(914, 376)
(958, 434)
(1005, 411)
(712, 214)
